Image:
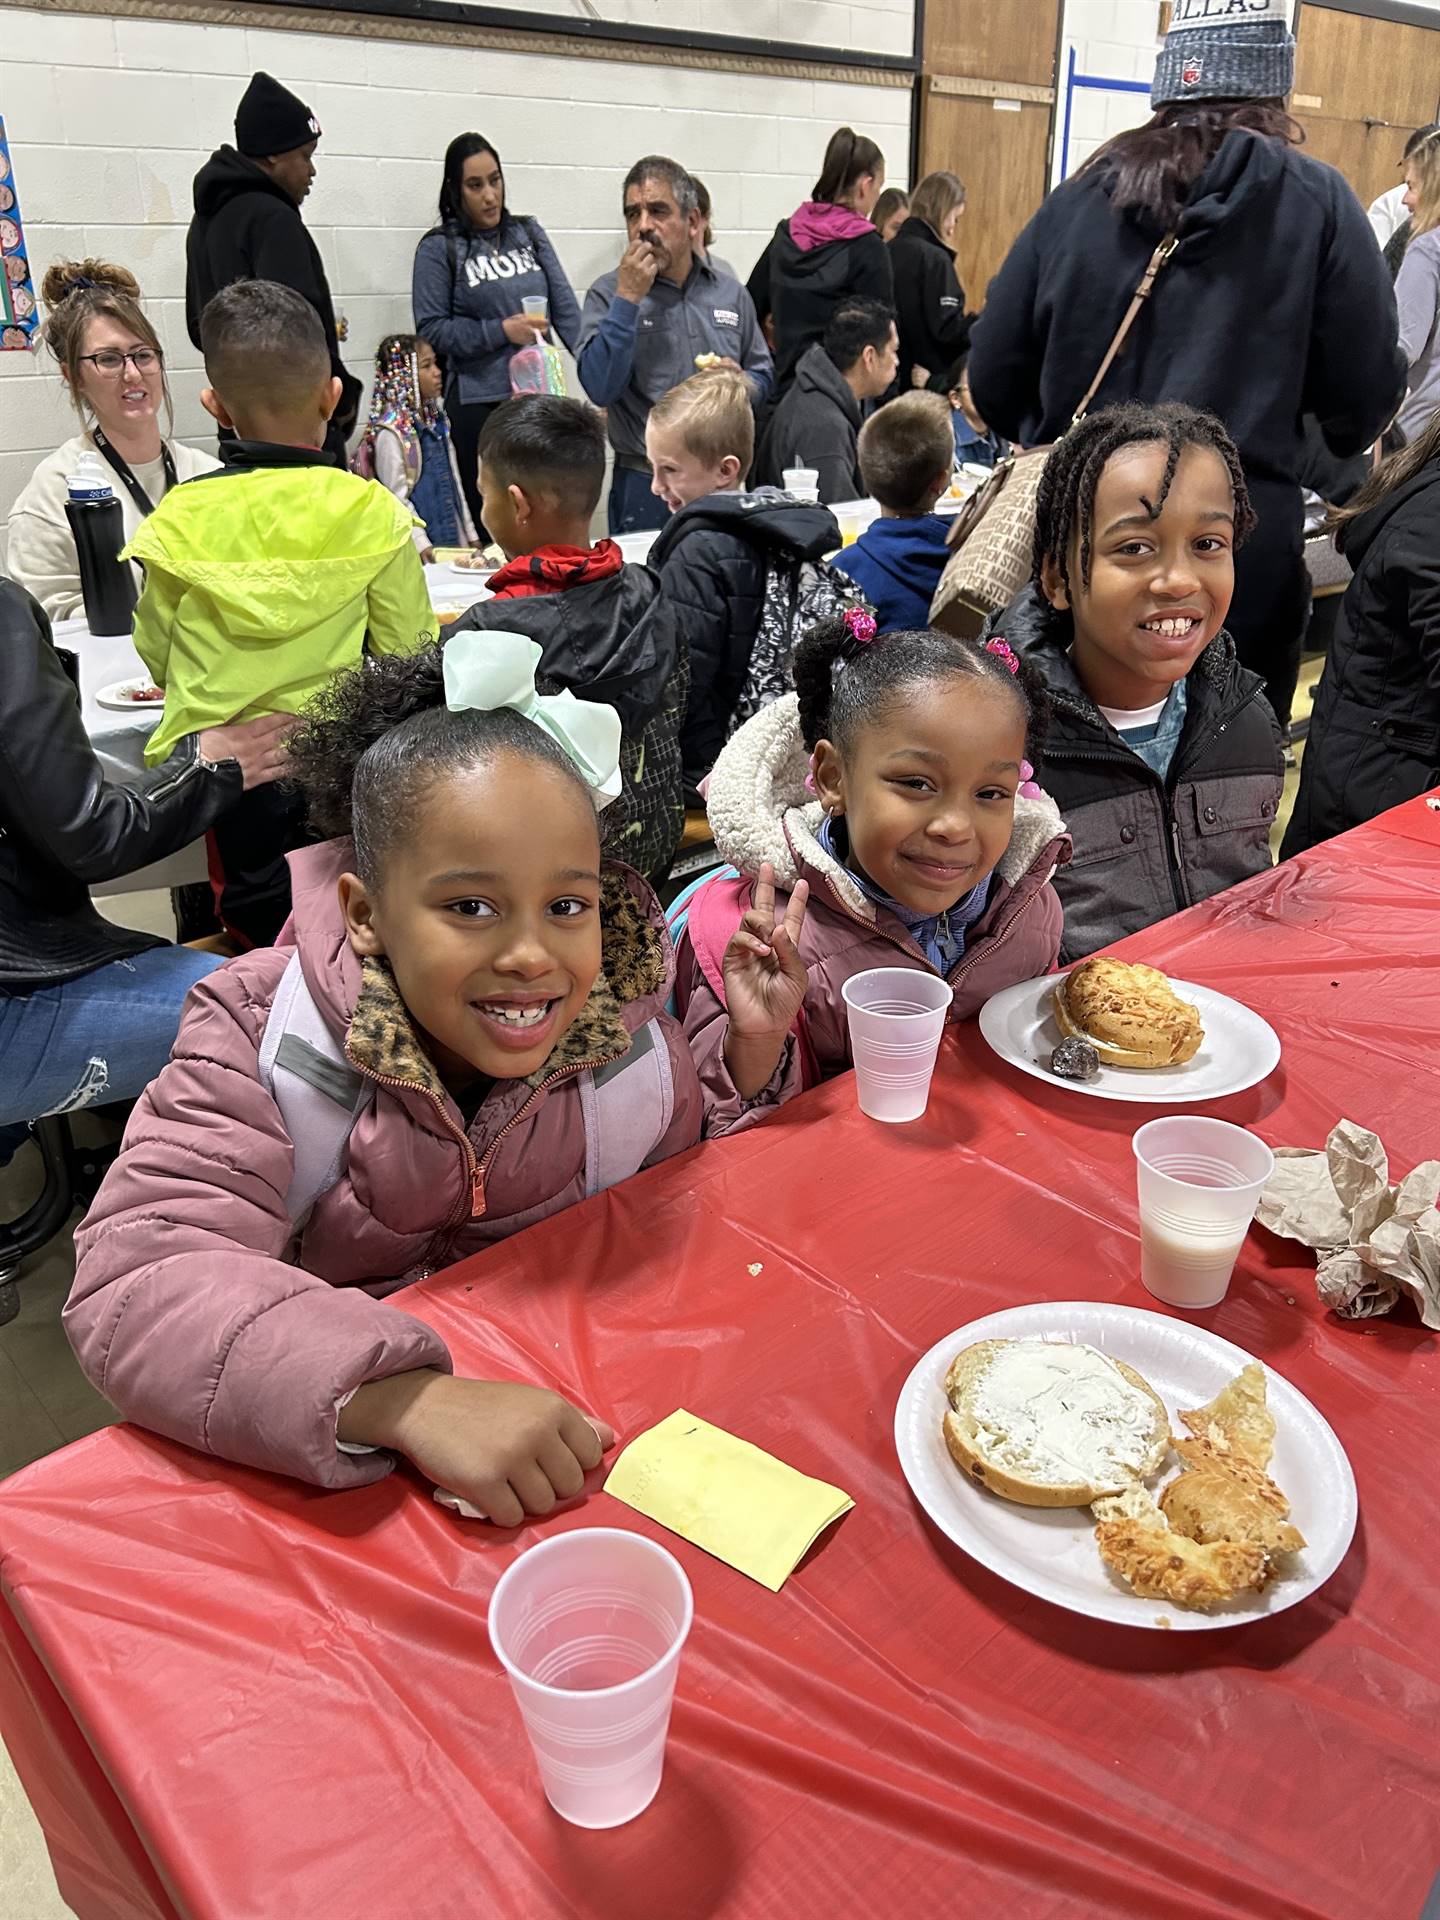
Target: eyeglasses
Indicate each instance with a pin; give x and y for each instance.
(143, 359)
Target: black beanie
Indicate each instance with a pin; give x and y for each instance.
(269, 119)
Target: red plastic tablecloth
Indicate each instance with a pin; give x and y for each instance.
(231, 1696)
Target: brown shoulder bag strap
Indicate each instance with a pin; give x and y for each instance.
(1159, 258)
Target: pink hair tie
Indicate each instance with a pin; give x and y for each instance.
(1028, 785)
(1003, 650)
(861, 625)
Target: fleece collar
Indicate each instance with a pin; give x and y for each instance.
(759, 811)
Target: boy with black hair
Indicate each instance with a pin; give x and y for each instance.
(265, 583)
(737, 567)
(605, 631)
(905, 452)
(817, 423)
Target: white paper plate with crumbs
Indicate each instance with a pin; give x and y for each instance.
(1051, 1552)
(1239, 1049)
(124, 696)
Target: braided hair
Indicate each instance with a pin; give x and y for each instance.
(1065, 504)
(844, 683)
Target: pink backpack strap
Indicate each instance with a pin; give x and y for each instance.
(716, 910)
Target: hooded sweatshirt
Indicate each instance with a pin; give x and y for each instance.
(246, 227)
(817, 425)
(897, 566)
(1267, 232)
(611, 638)
(713, 558)
(1374, 738)
(264, 580)
(193, 1309)
(821, 255)
(759, 810)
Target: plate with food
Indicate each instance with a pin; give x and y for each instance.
(122, 696)
(1123, 1031)
(1126, 1466)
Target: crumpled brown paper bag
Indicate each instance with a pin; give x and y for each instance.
(1372, 1241)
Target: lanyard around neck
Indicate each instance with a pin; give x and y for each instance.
(121, 468)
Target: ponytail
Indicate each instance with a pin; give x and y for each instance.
(848, 157)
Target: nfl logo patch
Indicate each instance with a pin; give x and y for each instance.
(1190, 73)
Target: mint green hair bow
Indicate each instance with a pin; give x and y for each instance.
(484, 671)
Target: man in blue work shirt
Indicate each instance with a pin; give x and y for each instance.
(646, 326)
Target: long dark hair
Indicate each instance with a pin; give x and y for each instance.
(848, 157)
(464, 147)
(1154, 167)
(1389, 475)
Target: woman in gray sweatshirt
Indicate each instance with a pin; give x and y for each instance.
(472, 275)
(1417, 290)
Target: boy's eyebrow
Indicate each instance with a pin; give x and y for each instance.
(1147, 520)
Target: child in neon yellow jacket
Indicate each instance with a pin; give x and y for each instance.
(279, 573)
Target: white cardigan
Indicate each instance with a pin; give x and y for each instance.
(40, 548)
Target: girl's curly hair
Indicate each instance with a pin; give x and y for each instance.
(379, 737)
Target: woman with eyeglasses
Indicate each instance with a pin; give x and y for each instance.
(111, 359)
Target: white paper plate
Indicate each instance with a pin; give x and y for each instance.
(1238, 1051)
(115, 696)
(1052, 1552)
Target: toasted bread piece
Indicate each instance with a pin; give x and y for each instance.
(975, 1448)
(1210, 1505)
(1239, 1416)
(1130, 1014)
(1201, 1456)
(1137, 1542)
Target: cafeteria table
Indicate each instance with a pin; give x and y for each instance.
(230, 1695)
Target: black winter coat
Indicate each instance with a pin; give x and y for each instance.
(801, 288)
(1374, 737)
(1146, 847)
(246, 227)
(1276, 305)
(64, 825)
(616, 641)
(816, 425)
(712, 558)
(929, 302)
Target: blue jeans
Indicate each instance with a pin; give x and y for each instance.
(98, 1038)
(633, 507)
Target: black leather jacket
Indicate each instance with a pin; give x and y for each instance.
(63, 825)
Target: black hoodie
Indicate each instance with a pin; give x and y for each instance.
(246, 227)
(712, 558)
(816, 425)
(801, 287)
(929, 303)
(615, 641)
(1276, 305)
(1374, 738)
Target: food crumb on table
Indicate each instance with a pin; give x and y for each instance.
(755, 1268)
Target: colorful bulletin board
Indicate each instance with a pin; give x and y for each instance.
(17, 295)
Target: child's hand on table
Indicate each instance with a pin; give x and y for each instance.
(507, 1449)
(765, 983)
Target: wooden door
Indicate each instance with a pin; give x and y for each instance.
(986, 114)
(1362, 87)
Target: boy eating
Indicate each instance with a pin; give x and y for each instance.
(905, 462)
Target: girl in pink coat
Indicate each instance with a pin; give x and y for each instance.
(460, 1031)
(890, 802)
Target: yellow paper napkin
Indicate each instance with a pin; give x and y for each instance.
(744, 1506)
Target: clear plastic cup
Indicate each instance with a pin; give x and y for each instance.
(804, 482)
(589, 1627)
(535, 306)
(1200, 1182)
(896, 1016)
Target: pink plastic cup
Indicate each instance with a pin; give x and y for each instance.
(589, 1627)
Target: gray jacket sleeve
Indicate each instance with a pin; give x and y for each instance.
(432, 296)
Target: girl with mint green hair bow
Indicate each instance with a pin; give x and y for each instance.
(461, 1031)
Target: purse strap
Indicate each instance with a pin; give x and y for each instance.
(1158, 259)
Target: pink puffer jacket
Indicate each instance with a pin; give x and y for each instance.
(191, 1309)
(759, 810)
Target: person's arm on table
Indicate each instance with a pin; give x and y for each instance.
(40, 557)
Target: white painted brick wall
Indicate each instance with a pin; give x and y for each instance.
(1113, 40)
(108, 121)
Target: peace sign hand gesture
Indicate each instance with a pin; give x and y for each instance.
(765, 983)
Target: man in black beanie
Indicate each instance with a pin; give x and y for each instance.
(247, 225)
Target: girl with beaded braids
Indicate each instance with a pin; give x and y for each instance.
(1163, 752)
(883, 814)
(407, 446)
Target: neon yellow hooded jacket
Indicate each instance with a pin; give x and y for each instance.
(263, 583)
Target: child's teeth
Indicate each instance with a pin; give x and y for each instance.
(1170, 628)
(520, 1016)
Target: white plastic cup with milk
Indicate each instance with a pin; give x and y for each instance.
(1199, 1182)
(896, 1017)
(803, 482)
(590, 1627)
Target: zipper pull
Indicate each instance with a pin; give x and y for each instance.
(945, 926)
(477, 1191)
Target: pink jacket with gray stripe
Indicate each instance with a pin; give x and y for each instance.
(191, 1308)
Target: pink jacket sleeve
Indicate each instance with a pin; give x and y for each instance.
(706, 1023)
(184, 1311)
